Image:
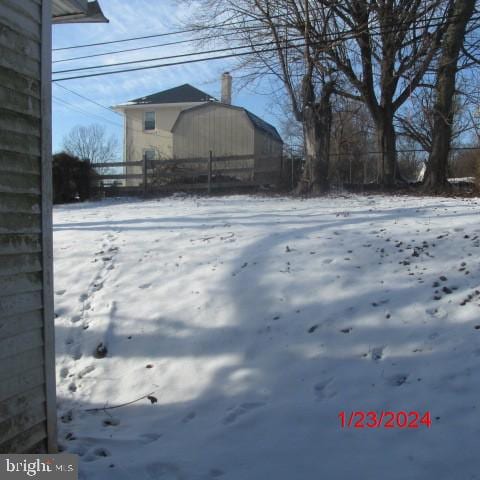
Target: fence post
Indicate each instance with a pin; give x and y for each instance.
(210, 173)
(144, 175)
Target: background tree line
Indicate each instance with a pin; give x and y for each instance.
(368, 82)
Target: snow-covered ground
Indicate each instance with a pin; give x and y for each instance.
(253, 322)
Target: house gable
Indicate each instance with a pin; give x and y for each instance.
(256, 122)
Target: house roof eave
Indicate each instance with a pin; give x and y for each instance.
(145, 106)
(77, 11)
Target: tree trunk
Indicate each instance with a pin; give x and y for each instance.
(317, 121)
(436, 178)
(387, 169)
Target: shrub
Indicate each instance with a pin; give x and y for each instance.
(73, 179)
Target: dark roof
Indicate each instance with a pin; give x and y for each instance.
(256, 121)
(182, 94)
(263, 125)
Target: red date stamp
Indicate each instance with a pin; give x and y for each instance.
(384, 419)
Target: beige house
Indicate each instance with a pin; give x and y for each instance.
(184, 122)
(149, 120)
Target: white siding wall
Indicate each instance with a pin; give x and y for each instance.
(26, 323)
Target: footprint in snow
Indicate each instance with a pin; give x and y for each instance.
(60, 292)
(111, 422)
(67, 417)
(216, 472)
(324, 389)
(147, 438)
(241, 410)
(86, 371)
(77, 354)
(189, 417)
(164, 471)
(145, 285)
(64, 372)
(438, 313)
(96, 454)
(377, 353)
(327, 261)
(397, 380)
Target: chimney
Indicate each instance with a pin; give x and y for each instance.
(226, 88)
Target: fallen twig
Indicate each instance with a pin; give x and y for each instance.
(98, 409)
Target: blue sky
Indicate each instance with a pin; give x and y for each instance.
(130, 19)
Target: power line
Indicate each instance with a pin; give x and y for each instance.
(208, 28)
(184, 62)
(182, 55)
(178, 42)
(110, 109)
(341, 38)
(83, 112)
(165, 34)
(171, 64)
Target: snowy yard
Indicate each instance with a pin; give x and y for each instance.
(254, 322)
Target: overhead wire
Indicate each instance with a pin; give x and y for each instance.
(115, 52)
(163, 34)
(355, 33)
(212, 27)
(109, 109)
(169, 57)
(83, 112)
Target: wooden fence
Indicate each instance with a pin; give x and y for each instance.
(228, 172)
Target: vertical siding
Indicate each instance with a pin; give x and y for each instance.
(225, 131)
(25, 299)
(268, 158)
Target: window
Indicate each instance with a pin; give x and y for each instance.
(149, 121)
(149, 155)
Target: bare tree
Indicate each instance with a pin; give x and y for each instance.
(460, 13)
(351, 160)
(417, 121)
(91, 143)
(392, 45)
(280, 36)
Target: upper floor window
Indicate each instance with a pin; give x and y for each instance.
(149, 121)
